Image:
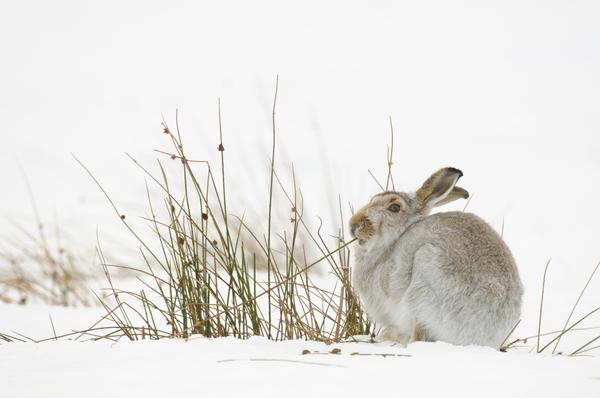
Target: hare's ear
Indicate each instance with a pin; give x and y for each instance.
(440, 189)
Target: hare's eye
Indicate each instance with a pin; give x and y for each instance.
(395, 208)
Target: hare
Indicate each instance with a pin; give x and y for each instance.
(447, 276)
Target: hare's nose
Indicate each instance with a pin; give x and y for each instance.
(355, 222)
(353, 228)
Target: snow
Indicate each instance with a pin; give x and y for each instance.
(506, 91)
(260, 368)
(257, 367)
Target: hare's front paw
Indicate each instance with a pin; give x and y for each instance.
(390, 334)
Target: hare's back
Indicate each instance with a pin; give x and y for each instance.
(466, 287)
(472, 247)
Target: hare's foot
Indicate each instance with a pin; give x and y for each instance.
(393, 335)
(419, 334)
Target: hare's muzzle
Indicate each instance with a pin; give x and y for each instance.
(360, 227)
(353, 228)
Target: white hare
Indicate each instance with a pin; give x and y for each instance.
(447, 276)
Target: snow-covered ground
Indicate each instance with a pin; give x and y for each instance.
(258, 368)
(261, 368)
(506, 91)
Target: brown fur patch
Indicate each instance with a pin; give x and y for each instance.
(420, 334)
(361, 223)
(366, 229)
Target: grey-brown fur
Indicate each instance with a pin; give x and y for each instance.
(448, 276)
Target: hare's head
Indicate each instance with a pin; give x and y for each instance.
(389, 213)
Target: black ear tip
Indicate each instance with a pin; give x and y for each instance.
(454, 170)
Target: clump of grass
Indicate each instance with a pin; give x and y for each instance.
(40, 272)
(38, 266)
(209, 272)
